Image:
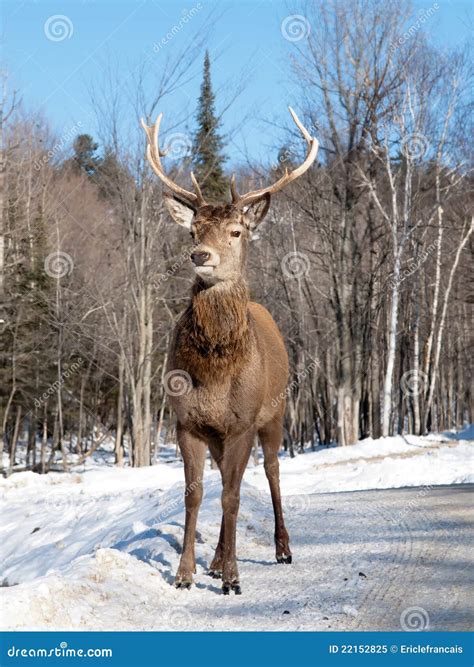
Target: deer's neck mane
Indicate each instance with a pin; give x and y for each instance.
(216, 333)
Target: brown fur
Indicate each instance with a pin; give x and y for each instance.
(214, 334)
(235, 356)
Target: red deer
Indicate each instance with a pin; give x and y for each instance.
(232, 355)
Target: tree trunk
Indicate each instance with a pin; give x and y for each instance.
(416, 366)
(14, 440)
(429, 403)
(44, 440)
(434, 309)
(392, 345)
(119, 427)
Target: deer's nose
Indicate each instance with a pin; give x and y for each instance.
(200, 258)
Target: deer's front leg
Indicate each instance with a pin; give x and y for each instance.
(236, 455)
(193, 450)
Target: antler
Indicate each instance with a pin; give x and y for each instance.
(154, 154)
(311, 153)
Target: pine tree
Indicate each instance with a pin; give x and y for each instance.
(208, 157)
(85, 158)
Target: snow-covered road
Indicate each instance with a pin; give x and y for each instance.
(98, 549)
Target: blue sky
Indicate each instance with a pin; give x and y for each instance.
(54, 76)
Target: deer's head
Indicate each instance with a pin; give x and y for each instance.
(221, 233)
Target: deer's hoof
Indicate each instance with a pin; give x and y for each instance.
(215, 574)
(226, 588)
(284, 559)
(183, 579)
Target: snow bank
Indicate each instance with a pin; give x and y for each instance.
(385, 463)
(98, 549)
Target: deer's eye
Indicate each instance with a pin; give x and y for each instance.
(235, 234)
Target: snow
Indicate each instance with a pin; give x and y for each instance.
(378, 464)
(97, 548)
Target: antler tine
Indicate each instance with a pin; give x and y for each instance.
(198, 190)
(288, 177)
(233, 190)
(300, 126)
(154, 154)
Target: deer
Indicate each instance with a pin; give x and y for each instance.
(229, 357)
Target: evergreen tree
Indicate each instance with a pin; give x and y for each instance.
(111, 177)
(208, 158)
(85, 158)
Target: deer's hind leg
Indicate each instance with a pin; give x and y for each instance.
(271, 436)
(216, 447)
(215, 568)
(193, 451)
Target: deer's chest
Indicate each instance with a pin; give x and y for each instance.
(221, 405)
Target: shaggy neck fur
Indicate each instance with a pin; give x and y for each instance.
(216, 335)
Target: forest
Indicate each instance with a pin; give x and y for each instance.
(363, 262)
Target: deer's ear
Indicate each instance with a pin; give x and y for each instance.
(181, 212)
(255, 213)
